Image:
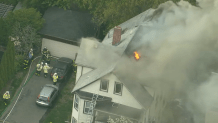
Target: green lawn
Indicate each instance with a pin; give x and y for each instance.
(62, 110)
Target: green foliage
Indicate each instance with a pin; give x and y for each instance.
(4, 31)
(7, 68)
(115, 12)
(42, 5)
(25, 17)
(9, 2)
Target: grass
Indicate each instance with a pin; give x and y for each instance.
(15, 84)
(62, 110)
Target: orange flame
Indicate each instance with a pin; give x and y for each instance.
(136, 55)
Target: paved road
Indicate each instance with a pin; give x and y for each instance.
(26, 111)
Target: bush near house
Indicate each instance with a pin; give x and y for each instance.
(7, 67)
(4, 31)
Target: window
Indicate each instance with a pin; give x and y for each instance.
(74, 120)
(87, 107)
(118, 88)
(76, 102)
(104, 85)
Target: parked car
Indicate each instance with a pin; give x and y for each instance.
(47, 95)
(63, 67)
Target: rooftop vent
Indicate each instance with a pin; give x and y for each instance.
(117, 35)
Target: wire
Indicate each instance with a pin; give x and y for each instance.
(21, 90)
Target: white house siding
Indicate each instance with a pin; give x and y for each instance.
(125, 99)
(74, 111)
(60, 49)
(82, 117)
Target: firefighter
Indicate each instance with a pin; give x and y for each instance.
(31, 54)
(46, 68)
(48, 58)
(39, 69)
(6, 97)
(55, 78)
(26, 63)
(44, 53)
(74, 67)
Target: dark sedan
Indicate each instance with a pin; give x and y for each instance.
(63, 67)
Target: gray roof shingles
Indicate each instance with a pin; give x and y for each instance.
(131, 27)
(67, 24)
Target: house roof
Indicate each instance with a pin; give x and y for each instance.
(131, 30)
(67, 24)
(91, 50)
(4, 9)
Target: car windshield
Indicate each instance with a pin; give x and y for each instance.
(41, 98)
(61, 65)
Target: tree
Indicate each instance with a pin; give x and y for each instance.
(25, 17)
(42, 5)
(24, 38)
(7, 68)
(114, 12)
(4, 31)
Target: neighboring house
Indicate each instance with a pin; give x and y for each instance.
(63, 29)
(4, 9)
(117, 96)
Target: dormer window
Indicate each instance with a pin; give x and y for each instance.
(104, 85)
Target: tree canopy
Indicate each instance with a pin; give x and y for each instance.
(4, 31)
(115, 12)
(25, 17)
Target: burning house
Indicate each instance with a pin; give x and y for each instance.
(145, 64)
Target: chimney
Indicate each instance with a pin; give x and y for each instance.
(117, 35)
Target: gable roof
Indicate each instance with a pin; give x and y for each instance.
(130, 30)
(67, 24)
(4, 9)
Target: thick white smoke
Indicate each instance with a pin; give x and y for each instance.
(181, 50)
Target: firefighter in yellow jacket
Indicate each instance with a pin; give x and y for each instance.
(6, 97)
(39, 68)
(55, 78)
(46, 68)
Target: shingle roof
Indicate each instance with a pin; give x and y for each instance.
(4, 9)
(131, 31)
(67, 24)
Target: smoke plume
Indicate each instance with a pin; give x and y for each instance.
(179, 51)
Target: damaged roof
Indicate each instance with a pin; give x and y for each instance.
(67, 24)
(88, 52)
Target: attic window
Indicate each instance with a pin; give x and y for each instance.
(104, 85)
(118, 88)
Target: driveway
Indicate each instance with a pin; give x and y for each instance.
(25, 110)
